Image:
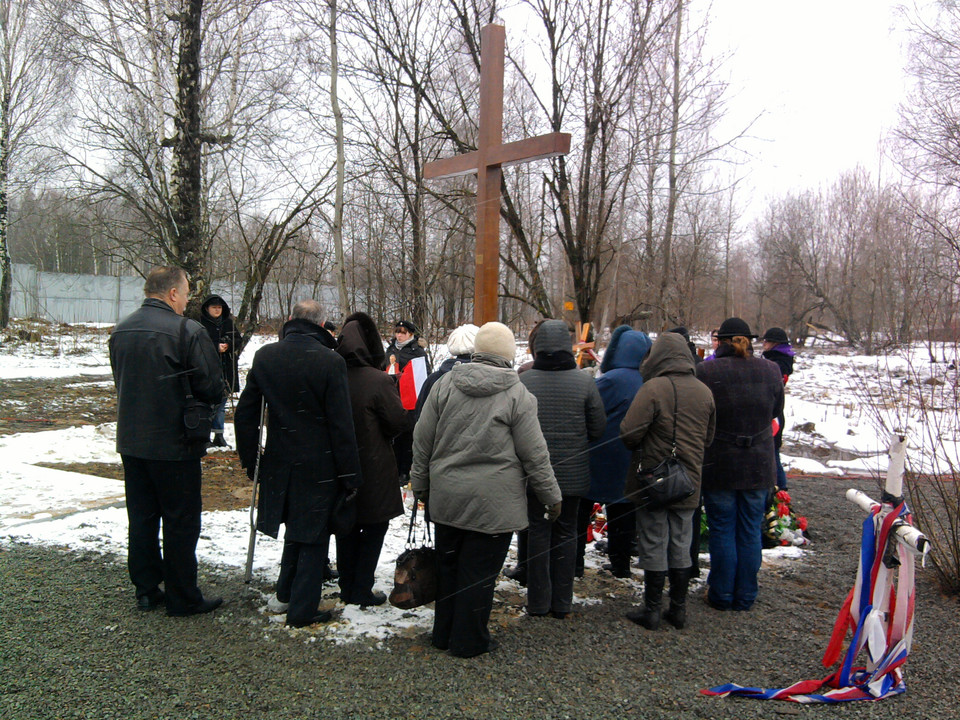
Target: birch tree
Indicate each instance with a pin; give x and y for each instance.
(34, 86)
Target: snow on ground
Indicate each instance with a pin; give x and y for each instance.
(825, 407)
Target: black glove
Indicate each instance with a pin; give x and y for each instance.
(552, 512)
(421, 495)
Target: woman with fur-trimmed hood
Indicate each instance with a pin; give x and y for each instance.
(378, 416)
(672, 412)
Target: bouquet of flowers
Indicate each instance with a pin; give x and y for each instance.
(781, 526)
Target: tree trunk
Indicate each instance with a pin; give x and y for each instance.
(186, 231)
(6, 269)
(339, 268)
(672, 168)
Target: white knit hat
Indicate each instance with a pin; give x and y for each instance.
(497, 339)
(462, 339)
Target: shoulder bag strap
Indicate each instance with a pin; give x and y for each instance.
(413, 519)
(184, 383)
(676, 409)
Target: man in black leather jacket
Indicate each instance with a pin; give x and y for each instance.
(161, 466)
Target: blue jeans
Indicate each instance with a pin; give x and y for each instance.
(219, 418)
(781, 475)
(734, 518)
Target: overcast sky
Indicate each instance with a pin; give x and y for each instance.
(826, 75)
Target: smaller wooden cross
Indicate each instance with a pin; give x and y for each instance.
(490, 156)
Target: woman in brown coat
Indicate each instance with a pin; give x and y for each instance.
(378, 416)
(671, 400)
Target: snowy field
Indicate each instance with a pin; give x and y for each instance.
(826, 410)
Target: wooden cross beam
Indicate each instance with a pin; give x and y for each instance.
(490, 156)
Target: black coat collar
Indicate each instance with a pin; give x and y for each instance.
(299, 326)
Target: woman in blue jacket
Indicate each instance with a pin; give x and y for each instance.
(609, 458)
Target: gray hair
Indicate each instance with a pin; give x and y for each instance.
(161, 280)
(309, 310)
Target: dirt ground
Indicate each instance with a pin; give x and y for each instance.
(33, 405)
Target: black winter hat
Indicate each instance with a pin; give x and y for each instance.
(407, 325)
(732, 327)
(776, 335)
(681, 330)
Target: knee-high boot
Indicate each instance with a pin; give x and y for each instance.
(649, 615)
(676, 615)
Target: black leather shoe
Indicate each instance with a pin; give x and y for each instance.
(320, 617)
(204, 606)
(519, 574)
(151, 601)
(617, 570)
(373, 599)
(491, 646)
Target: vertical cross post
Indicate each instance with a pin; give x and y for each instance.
(487, 160)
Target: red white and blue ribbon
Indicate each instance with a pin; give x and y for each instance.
(878, 612)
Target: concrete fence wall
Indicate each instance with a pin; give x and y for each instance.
(67, 298)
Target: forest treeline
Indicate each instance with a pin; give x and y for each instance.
(278, 141)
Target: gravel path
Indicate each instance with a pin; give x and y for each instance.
(73, 646)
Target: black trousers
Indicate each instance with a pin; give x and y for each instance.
(469, 564)
(621, 532)
(301, 579)
(167, 492)
(403, 452)
(357, 555)
(551, 558)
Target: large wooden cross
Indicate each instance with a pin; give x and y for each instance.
(490, 156)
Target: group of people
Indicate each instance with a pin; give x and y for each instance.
(493, 452)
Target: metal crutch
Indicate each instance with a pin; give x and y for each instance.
(252, 544)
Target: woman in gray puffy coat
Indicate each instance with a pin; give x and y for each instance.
(571, 416)
(476, 449)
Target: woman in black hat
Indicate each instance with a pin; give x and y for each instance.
(404, 347)
(739, 467)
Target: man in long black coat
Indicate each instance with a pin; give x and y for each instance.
(310, 455)
(154, 353)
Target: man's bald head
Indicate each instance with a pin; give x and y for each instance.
(309, 310)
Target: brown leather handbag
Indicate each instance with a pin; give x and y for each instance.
(415, 578)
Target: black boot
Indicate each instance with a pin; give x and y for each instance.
(649, 615)
(679, 583)
(218, 440)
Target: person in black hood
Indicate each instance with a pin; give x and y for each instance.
(216, 320)
(378, 416)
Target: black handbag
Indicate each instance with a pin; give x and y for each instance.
(197, 415)
(665, 484)
(415, 577)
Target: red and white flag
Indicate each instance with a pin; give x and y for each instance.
(411, 380)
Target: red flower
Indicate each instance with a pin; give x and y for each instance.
(802, 523)
(783, 510)
(784, 496)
